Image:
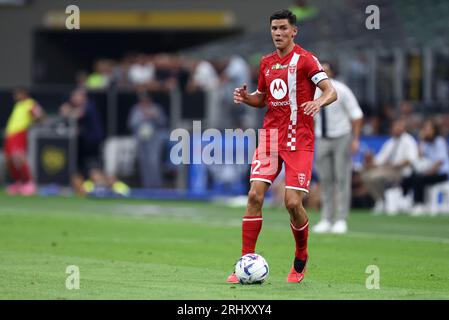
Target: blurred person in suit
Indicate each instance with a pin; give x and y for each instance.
(337, 131)
(82, 111)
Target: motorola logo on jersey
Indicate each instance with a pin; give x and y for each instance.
(278, 89)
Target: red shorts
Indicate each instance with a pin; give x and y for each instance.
(298, 168)
(16, 143)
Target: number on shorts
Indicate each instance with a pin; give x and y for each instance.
(256, 168)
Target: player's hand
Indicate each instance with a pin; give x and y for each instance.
(240, 94)
(311, 108)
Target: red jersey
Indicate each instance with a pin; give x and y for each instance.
(287, 83)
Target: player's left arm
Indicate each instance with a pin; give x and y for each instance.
(328, 96)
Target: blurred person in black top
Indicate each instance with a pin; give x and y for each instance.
(89, 127)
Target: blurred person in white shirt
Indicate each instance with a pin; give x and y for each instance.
(203, 75)
(432, 166)
(392, 164)
(236, 73)
(142, 71)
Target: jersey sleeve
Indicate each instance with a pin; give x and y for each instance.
(261, 83)
(313, 69)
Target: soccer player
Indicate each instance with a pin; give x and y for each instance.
(287, 81)
(25, 112)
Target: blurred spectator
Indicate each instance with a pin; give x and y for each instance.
(337, 132)
(99, 184)
(361, 197)
(442, 121)
(146, 121)
(168, 73)
(386, 116)
(25, 112)
(89, 127)
(203, 75)
(303, 11)
(100, 78)
(432, 166)
(236, 73)
(121, 72)
(371, 126)
(81, 79)
(357, 74)
(392, 163)
(412, 119)
(142, 71)
(180, 72)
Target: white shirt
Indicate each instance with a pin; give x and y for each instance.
(238, 71)
(436, 151)
(397, 150)
(205, 76)
(141, 74)
(340, 113)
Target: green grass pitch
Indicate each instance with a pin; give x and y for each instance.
(129, 249)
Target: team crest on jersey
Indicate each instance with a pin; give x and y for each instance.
(302, 178)
(292, 68)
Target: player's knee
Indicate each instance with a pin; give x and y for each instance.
(255, 198)
(293, 204)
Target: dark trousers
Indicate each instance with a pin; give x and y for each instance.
(418, 183)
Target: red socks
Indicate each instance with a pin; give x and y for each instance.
(20, 173)
(301, 234)
(251, 226)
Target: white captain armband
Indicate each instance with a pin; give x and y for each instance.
(320, 76)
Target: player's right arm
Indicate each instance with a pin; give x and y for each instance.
(255, 99)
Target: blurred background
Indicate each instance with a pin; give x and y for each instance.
(113, 90)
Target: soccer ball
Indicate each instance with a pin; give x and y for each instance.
(251, 269)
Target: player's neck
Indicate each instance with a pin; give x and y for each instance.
(284, 52)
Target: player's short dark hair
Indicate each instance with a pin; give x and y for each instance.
(284, 14)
